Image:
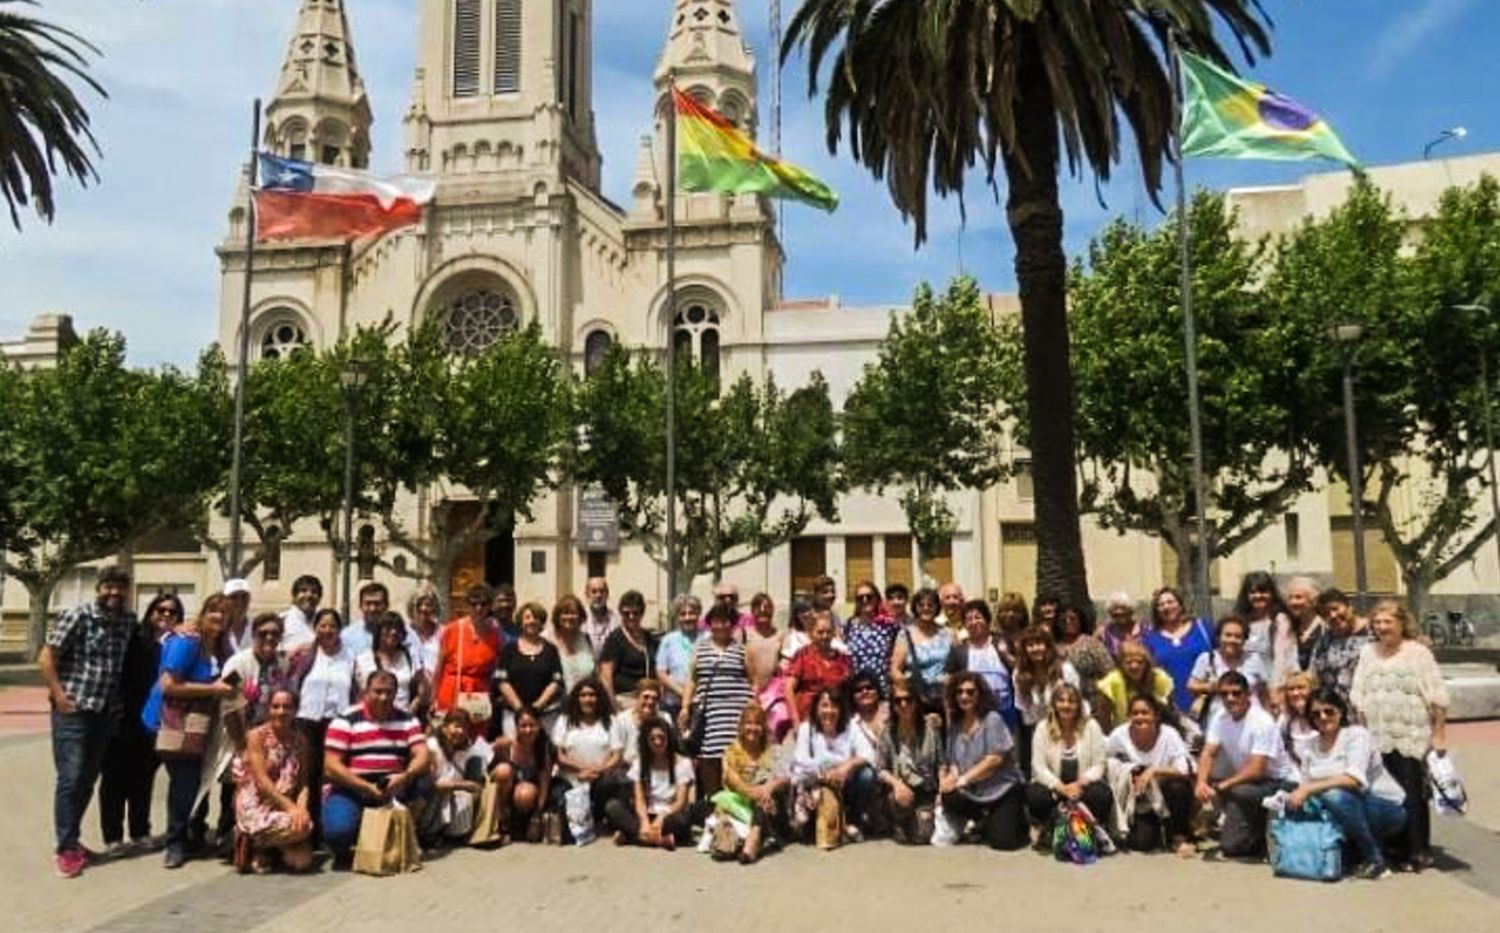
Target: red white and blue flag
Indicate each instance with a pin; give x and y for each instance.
(306, 200)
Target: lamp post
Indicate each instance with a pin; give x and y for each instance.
(1489, 429)
(1346, 336)
(1453, 133)
(352, 379)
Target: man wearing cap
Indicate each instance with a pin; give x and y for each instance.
(237, 633)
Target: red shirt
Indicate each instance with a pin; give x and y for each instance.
(815, 671)
(480, 652)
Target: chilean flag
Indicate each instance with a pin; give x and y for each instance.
(302, 199)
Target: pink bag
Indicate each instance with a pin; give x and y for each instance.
(772, 699)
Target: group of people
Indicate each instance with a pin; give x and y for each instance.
(921, 716)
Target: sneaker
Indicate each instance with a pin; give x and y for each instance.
(117, 850)
(70, 863)
(176, 857)
(1372, 871)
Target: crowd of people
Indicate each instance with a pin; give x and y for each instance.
(923, 717)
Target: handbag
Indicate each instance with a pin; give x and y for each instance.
(387, 842)
(487, 830)
(1074, 837)
(1309, 846)
(724, 842)
(828, 831)
(474, 702)
(185, 725)
(692, 740)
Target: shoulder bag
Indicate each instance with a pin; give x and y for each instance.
(692, 741)
(474, 702)
(185, 725)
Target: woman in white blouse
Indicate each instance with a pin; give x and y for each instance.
(1068, 763)
(324, 674)
(1339, 767)
(1399, 692)
(832, 759)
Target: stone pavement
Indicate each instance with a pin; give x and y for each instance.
(856, 888)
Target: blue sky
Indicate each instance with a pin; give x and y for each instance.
(135, 252)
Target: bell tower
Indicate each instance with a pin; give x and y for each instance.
(707, 53)
(320, 112)
(504, 86)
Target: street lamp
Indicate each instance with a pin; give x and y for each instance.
(1346, 335)
(1489, 430)
(352, 379)
(1454, 133)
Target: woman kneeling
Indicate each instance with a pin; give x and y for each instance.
(663, 782)
(831, 768)
(1149, 776)
(1341, 769)
(982, 782)
(750, 771)
(523, 769)
(1068, 764)
(458, 766)
(270, 805)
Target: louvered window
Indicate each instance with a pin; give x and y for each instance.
(507, 46)
(465, 48)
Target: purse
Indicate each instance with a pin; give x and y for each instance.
(1310, 847)
(185, 725)
(474, 702)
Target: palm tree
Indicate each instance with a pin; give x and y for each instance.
(927, 89)
(42, 122)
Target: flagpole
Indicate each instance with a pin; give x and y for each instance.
(1190, 342)
(671, 320)
(237, 461)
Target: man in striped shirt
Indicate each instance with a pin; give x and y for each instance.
(374, 753)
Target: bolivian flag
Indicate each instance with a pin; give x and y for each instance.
(714, 155)
(1227, 117)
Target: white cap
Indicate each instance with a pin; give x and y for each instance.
(237, 585)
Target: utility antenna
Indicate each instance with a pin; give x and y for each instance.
(776, 78)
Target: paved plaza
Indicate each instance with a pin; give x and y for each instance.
(874, 886)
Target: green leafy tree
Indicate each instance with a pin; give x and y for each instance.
(926, 416)
(1419, 401)
(754, 464)
(95, 455)
(1133, 436)
(930, 89)
(43, 124)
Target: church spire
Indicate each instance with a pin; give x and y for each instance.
(707, 52)
(321, 112)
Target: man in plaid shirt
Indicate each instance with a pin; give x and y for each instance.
(82, 664)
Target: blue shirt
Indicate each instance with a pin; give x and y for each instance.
(1178, 657)
(180, 657)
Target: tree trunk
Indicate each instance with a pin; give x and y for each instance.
(1036, 224)
(1417, 588)
(36, 627)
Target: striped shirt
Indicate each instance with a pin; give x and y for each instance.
(374, 746)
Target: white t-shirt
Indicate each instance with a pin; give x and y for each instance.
(587, 745)
(1241, 739)
(626, 734)
(661, 789)
(1211, 665)
(452, 769)
(1353, 753)
(1169, 753)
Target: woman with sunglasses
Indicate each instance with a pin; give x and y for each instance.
(981, 783)
(425, 611)
(629, 653)
(1401, 694)
(129, 766)
(871, 636)
(1340, 768)
(467, 655)
(911, 757)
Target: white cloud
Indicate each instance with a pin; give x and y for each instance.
(1407, 33)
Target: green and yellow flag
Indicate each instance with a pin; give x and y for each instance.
(714, 155)
(1225, 116)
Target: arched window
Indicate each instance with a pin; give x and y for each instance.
(477, 318)
(364, 551)
(695, 334)
(281, 335)
(595, 349)
(466, 30)
(507, 46)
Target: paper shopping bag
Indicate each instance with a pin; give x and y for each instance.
(387, 842)
(487, 817)
(829, 829)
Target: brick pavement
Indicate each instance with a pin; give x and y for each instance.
(603, 888)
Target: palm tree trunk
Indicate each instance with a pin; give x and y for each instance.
(1036, 224)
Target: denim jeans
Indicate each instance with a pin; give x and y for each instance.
(78, 743)
(859, 790)
(343, 810)
(1365, 819)
(183, 778)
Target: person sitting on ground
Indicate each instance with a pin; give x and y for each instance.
(1150, 775)
(818, 667)
(1068, 764)
(458, 767)
(522, 766)
(1341, 769)
(1336, 652)
(1134, 673)
(587, 751)
(982, 783)
(374, 753)
(1230, 656)
(751, 770)
(831, 762)
(661, 814)
(391, 652)
(270, 802)
(911, 757)
(1236, 771)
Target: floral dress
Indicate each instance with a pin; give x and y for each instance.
(255, 815)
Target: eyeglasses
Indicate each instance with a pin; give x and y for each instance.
(166, 611)
(865, 688)
(630, 613)
(1231, 694)
(1326, 713)
(867, 597)
(726, 597)
(902, 701)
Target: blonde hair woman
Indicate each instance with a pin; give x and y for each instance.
(1400, 692)
(1068, 762)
